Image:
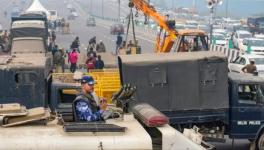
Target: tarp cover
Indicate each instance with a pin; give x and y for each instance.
(29, 32)
(178, 81)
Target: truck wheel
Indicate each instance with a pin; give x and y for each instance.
(260, 142)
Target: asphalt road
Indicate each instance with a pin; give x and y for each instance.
(102, 31)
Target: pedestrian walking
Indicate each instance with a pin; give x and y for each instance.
(75, 44)
(99, 64)
(59, 60)
(72, 59)
(92, 42)
(100, 48)
(119, 40)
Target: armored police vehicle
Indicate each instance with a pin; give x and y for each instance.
(194, 89)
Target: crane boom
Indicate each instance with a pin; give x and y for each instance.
(165, 43)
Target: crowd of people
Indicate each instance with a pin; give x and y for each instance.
(93, 60)
(61, 24)
(122, 47)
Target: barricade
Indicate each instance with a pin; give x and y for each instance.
(231, 54)
(107, 82)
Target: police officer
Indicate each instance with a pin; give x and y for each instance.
(85, 106)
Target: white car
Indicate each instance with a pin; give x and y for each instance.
(259, 36)
(241, 61)
(220, 39)
(75, 14)
(220, 31)
(256, 45)
(239, 36)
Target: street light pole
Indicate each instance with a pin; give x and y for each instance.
(226, 8)
(91, 7)
(102, 8)
(211, 23)
(118, 10)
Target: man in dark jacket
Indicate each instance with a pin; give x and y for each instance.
(119, 40)
(99, 64)
(75, 44)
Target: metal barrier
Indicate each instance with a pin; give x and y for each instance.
(107, 81)
(230, 53)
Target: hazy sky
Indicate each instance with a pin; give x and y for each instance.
(241, 8)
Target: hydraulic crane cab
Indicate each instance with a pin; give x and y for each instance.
(168, 37)
(191, 40)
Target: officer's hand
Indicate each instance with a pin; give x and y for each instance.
(103, 104)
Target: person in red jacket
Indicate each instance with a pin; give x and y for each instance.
(73, 58)
(90, 63)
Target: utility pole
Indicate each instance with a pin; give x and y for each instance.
(91, 7)
(102, 8)
(211, 23)
(212, 5)
(227, 8)
(118, 10)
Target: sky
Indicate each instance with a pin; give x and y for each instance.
(238, 8)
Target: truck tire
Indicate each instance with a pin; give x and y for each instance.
(260, 142)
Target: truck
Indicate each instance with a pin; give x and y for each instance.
(26, 81)
(27, 68)
(30, 24)
(195, 89)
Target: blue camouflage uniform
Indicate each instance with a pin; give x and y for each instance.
(86, 108)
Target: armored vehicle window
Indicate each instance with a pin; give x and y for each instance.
(25, 77)
(250, 93)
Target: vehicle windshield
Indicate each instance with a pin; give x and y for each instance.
(259, 61)
(178, 27)
(190, 27)
(259, 43)
(252, 93)
(242, 36)
(53, 13)
(219, 37)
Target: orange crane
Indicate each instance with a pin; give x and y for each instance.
(165, 41)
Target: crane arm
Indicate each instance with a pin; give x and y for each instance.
(163, 44)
